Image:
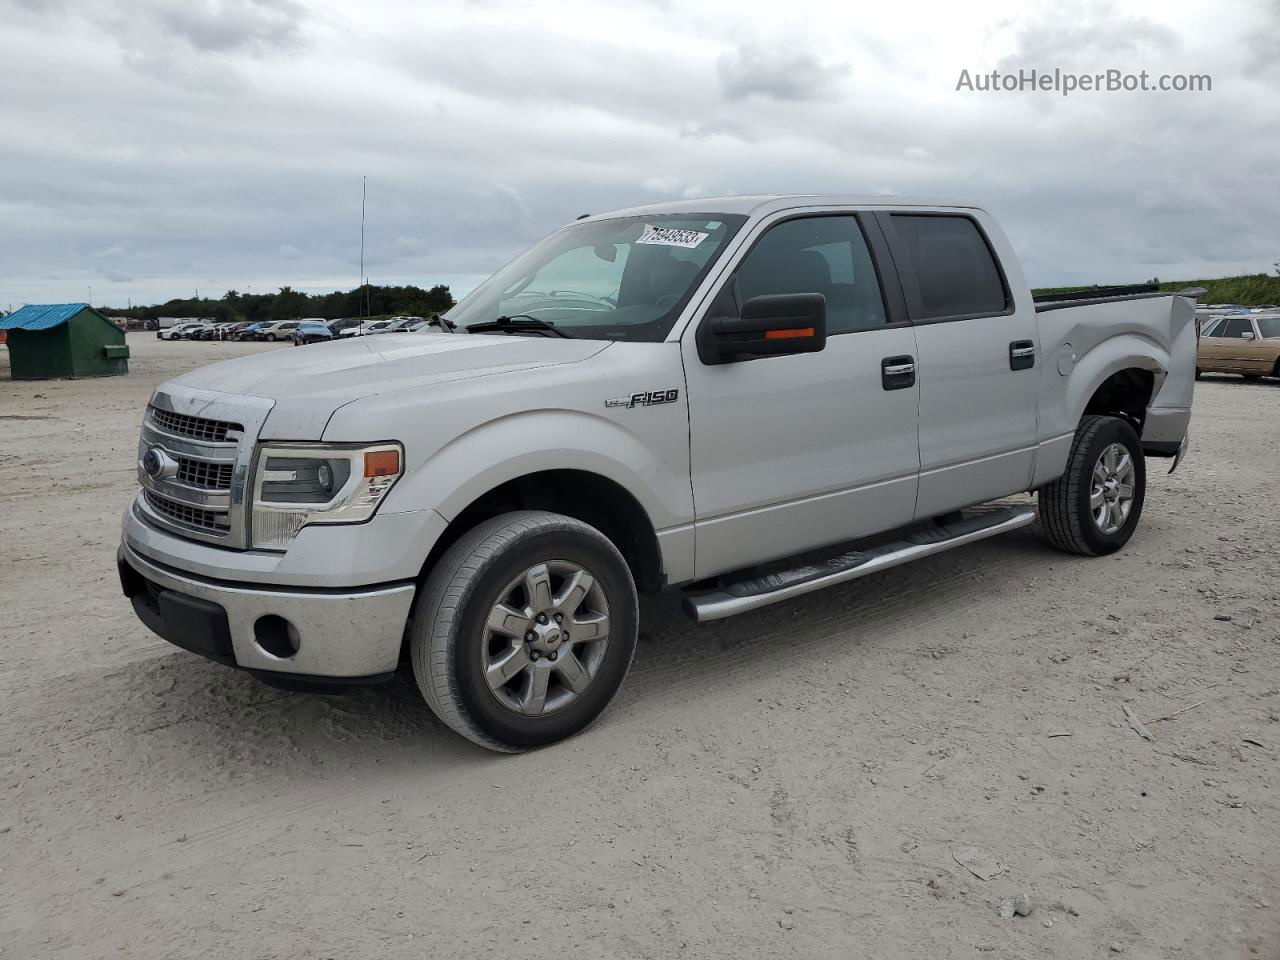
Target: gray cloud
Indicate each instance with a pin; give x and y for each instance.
(767, 72)
(1260, 42)
(222, 145)
(223, 25)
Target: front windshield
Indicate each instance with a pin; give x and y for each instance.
(1269, 326)
(620, 279)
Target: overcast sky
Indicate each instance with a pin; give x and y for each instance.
(150, 148)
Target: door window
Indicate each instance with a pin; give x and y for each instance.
(1234, 328)
(953, 266)
(826, 255)
(1269, 327)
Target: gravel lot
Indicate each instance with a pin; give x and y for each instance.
(796, 782)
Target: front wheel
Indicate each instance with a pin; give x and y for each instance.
(1093, 508)
(271, 337)
(524, 630)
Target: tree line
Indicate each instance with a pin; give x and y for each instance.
(290, 304)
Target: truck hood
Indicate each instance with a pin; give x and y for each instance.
(309, 383)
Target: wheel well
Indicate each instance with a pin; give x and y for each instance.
(1124, 394)
(588, 497)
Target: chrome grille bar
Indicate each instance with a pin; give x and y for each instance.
(211, 521)
(204, 473)
(198, 428)
(202, 443)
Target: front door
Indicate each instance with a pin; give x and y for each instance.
(1232, 346)
(793, 452)
(978, 349)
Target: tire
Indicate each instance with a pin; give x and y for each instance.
(271, 337)
(1066, 514)
(1251, 376)
(451, 641)
(1198, 372)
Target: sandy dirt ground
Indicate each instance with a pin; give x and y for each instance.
(797, 782)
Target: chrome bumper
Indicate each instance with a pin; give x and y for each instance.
(314, 632)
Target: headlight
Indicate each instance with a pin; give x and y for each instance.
(302, 484)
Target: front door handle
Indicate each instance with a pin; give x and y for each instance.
(1022, 355)
(898, 373)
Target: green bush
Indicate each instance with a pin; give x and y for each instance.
(1251, 290)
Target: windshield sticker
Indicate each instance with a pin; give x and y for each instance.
(671, 237)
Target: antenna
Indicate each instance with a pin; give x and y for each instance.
(364, 192)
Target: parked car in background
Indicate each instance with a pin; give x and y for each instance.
(249, 331)
(404, 324)
(1243, 343)
(281, 330)
(309, 331)
(360, 328)
(211, 331)
(181, 331)
(343, 324)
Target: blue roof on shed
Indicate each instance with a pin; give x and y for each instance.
(41, 316)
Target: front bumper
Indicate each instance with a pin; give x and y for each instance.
(353, 634)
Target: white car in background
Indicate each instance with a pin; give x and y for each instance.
(178, 332)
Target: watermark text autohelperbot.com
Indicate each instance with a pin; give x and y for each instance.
(1064, 82)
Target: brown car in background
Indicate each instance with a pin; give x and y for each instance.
(1247, 344)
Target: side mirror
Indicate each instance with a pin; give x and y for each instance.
(1247, 335)
(770, 326)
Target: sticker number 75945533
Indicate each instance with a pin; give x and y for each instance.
(671, 236)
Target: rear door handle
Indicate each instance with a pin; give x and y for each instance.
(1022, 355)
(898, 373)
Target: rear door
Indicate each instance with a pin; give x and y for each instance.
(794, 452)
(977, 356)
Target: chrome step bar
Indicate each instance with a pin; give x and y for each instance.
(753, 593)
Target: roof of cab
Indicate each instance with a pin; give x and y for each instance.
(763, 204)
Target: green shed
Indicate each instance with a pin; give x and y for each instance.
(52, 340)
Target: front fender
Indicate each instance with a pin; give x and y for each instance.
(494, 452)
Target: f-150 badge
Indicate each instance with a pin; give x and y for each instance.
(645, 398)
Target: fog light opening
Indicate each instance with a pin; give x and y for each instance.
(276, 636)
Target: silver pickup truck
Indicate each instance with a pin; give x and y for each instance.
(747, 398)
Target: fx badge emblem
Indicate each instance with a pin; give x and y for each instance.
(645, 398)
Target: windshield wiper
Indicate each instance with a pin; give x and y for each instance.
(519, 323)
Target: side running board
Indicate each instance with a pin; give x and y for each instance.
(739, 596)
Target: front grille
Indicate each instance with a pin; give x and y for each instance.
(201, 473)
(198, 428)
(208, 520)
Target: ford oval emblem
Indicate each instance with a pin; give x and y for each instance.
(158, 464)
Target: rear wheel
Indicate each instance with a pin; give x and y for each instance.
(1094, 507)
(524, 630)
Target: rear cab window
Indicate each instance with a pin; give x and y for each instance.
(955, 270)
